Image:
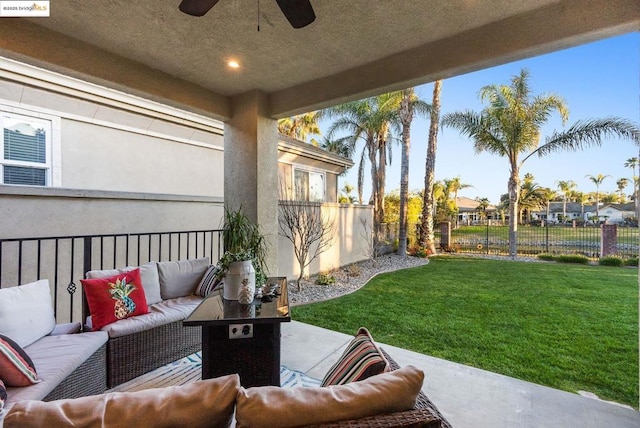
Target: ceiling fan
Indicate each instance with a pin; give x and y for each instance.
(299, 12)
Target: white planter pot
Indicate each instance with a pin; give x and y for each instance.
(239, 272)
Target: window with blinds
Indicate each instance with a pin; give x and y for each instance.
(25, 150)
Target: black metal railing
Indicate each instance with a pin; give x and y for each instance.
(532, 240)
(64, 260)
(492, 237)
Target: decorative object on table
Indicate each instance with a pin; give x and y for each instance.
(247, 290)
(244, 257)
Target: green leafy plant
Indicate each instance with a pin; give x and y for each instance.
(611, 261)
(546, 257)
(572, 258)
(633, 261)
(242, 241)
(325, 279)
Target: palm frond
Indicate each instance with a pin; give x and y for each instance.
(589, 133)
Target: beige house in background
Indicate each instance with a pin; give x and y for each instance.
(468, 210)
(78, 158)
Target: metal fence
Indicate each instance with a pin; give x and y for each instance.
(550, 239)
(493, 238)
(64, 260)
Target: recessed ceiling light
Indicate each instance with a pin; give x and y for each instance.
(233, 64)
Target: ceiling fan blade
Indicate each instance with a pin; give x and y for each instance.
(299, 12)
(196, 7)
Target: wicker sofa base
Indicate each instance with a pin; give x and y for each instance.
(424, 414)
(90, 378)
(135, 354)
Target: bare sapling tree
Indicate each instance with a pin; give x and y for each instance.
(310, 232)
(371, 238)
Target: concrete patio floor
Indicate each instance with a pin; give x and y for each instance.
(466, 396)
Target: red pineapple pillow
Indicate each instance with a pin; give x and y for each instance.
(117, 297)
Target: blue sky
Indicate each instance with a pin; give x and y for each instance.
(596, 80)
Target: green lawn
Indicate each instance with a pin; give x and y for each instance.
(571, 327)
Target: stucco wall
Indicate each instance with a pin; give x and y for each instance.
(123, 147)
(349, 245)
(28, 212)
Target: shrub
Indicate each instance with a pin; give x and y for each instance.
(353, 270)
(610, 261)
(546, 257)
(418, 251)
(325, 279)
(572, 258)
(633, 261)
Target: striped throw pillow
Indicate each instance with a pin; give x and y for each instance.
(361, 359)
(208, 282)
(16, 368)
(3, 395)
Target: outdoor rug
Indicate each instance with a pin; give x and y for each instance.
(189, 369)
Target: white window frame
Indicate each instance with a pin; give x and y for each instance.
(309, 170)
(51, 124)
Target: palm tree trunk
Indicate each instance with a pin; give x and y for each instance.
(374, 187)
(406, 115)
(513, 187)
(381, 176)
(427, 240)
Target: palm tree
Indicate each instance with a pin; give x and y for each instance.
(622, 183)
(456, 185)
(547, 195)
(510, 127)
(409, 104)
(339, 147)
(481, 209)
(597, 180)
(565, 188)
(445, 206)
(427, 239)
(581, 198)
(370, 120)
(300, 126)
(632, 163)
(531, 198)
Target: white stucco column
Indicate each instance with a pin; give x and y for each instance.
(251, 167)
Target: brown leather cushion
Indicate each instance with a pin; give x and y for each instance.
(206, 403)
(272, 407)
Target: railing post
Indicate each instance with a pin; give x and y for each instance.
(87, 254)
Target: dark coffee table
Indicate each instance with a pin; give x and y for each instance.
(243, 339)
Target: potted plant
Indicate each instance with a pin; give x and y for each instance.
(244, 258)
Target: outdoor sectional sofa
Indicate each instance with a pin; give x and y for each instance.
(392, 399)
(69, 364)
(142, 343)
(73, 360)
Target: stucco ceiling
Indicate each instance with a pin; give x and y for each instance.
(354, 48)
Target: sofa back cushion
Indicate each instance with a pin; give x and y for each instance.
(178, 279)
(26, 312)
(395, 391)
(148, 276)
(205, 403)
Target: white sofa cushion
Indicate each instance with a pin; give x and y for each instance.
(55, 358)
(148, 276)
(165, 312)
(181, 278)
(26, 312)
